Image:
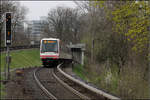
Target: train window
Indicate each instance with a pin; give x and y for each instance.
(45, 41)
(49, 46)
(51, 41)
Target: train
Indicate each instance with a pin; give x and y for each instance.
(49, 51)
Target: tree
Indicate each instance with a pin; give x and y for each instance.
(64, 23)
(131, 19)
(18, 15)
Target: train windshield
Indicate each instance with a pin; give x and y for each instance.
(49, 46)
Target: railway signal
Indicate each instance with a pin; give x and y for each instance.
(8, 29)
(8, 38)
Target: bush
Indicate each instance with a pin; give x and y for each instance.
(132, 85)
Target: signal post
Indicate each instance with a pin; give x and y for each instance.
(8, 38)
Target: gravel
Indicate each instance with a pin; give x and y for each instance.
(46, 77)
(23, 86)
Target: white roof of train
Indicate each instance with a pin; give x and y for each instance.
(49, 39)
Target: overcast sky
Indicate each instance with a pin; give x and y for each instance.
(41, 8)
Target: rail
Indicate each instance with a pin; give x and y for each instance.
(69, 87)
(42, 87)
(97, 91)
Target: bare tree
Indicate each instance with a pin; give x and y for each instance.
(64, 23)
(18, 15)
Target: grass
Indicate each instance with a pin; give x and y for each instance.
(22, 58)
(79, 70)
(19, 58)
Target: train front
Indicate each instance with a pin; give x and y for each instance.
(49, 52)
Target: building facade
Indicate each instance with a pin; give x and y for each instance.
(34, 29)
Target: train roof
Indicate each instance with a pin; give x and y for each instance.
(50, 39)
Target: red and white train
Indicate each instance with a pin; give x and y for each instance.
(49, 51)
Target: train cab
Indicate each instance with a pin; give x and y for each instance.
(49, 51)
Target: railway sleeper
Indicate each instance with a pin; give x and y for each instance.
(27, 91)
(47, 81)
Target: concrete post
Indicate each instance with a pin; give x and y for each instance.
(82, 55)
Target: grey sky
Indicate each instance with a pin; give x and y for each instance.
(41, 8)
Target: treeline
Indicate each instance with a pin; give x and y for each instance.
(116, 36)
(114, 30)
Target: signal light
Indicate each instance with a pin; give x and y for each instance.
(8, 33)
(8, 29)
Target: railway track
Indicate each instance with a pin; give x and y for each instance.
(41, 86)
(86, 90)
(68, 85)
(51, 86)
(56, 84)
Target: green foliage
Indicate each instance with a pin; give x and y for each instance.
(126, 33)
(131, 19)
(97, 3)
(79, 70)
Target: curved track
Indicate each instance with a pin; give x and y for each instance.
(56, 84)
(50, 95)
(88, 91)
(50, 85)
(82, 96)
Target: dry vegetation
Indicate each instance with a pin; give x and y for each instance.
(131, 83)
